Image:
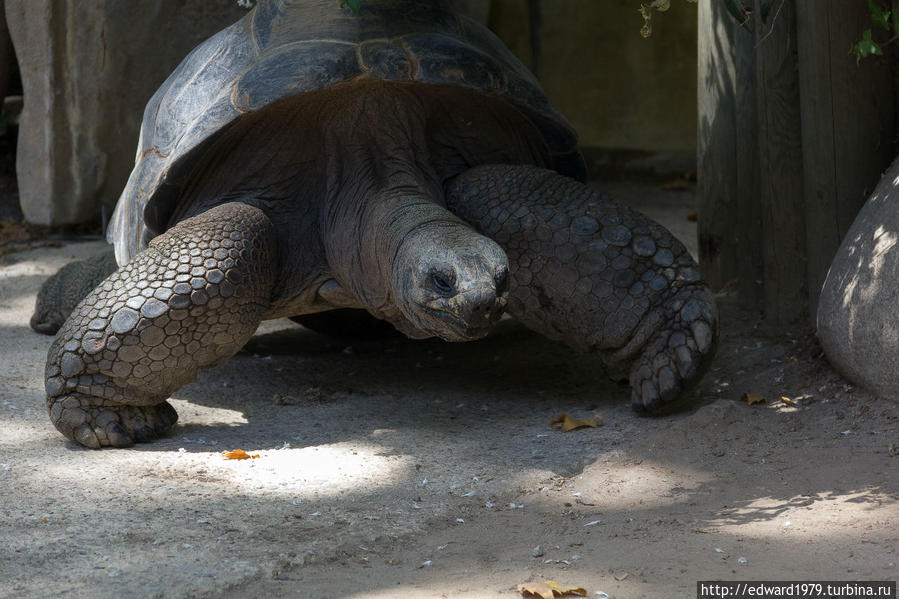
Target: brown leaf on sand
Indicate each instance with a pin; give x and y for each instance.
(752, 398)
(239, 454)
(569, 424)
(548, 589)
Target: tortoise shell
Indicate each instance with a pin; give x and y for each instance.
(288, 47)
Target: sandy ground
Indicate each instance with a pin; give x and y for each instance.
(423, 469)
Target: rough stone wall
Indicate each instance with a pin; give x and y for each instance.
(88, 68)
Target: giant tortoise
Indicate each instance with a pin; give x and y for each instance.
(399, 161)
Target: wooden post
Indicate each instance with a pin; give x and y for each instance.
(780, 162)
(848, 122)
(730, 229)
(783, 175)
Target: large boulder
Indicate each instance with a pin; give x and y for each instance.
(858, 311)
(88, 68)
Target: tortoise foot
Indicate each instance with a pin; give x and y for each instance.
(95, 423)
(676, 356)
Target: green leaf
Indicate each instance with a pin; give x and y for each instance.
(354, 5)
(879, 16)
(865, 47)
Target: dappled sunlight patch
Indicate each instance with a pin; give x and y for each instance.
(865, 286)
(631, 484)
(883, 242)
(315, 471)
(298, 474)
(190, 413)
(855, 514)
(639, 484)
(28, 268)
(14, 434)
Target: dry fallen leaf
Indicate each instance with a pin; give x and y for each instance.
(569, 424)
(752, 398)
(675, 184)
(549, 589)
(788, 401)
(239, 454)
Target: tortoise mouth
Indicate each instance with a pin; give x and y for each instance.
(450, 327)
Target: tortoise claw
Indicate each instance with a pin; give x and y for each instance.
(95, 424)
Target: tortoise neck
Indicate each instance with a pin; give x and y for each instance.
(363, 246)
(380, 185)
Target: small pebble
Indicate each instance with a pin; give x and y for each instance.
(538, 551)
(742, 560)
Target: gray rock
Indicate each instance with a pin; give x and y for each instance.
(857, 323)
(87, 69)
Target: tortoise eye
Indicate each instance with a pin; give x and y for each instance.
(442, 282)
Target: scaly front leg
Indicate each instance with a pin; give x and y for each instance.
(189, 301)
(595, 274)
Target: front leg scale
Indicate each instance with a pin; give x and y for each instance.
(189, 301)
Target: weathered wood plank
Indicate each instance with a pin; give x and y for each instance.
(780, 161)
(848, 123)
(727, 155)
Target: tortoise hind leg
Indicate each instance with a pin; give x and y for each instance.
(60, 293)
(189, 301)
(595, 274)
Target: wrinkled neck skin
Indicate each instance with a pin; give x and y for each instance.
(384, 218)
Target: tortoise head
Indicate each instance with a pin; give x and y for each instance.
(450, 281)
